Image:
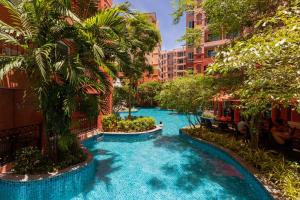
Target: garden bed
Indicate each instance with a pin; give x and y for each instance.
(154, 130)
(13, 177)
(281, 177)
(115, 124)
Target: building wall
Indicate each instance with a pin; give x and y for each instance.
(17, 110)
(199, 58)
(102, 4)
(173, 64)
(153, 58)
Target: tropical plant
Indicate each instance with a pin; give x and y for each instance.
(120, 98)
(147, 92)
(141, 39)
(229, 15)
(61, 55)
(30, 160)
(191, 95)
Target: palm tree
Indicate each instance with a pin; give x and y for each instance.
(61, 56)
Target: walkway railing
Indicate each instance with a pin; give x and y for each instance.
(83, 125)
(11, 140)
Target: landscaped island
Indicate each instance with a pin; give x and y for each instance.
(113, 123)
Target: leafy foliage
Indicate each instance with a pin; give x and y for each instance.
(147, 92)
(267, 62)
(112, 123)
(29, 161)
(61, 55)
(191, 95)
(142, 38)
(121, 98)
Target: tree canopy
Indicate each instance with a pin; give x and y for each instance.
(268, 62)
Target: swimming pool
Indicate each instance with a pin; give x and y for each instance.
(162, 167)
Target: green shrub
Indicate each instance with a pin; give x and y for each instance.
(208, 115)
(284, 174)
(138, 124)
(110, 123)
(29, 160)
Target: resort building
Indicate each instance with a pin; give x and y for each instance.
(173, 64)
(153, 58)
(199, 58)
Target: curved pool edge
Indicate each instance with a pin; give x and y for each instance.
(27, 179)
(247, 171)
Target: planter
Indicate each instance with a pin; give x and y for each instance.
(154, 130)
(66, 183)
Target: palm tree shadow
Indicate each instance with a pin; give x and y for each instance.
(194, 173)
(198, 167)
(106, 166)
(172, 143)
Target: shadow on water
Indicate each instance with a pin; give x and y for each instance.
(172, 143)
(156, 184)
(197, 168)
(105, 166)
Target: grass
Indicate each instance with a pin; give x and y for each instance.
(284, 174)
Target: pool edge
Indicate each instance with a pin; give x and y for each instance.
(227, 155)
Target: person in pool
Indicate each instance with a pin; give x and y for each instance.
(161, 124)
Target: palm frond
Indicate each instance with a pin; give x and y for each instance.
(9, 40)
(14, 13)
(41, 56)
(98, 53)
(11, 64)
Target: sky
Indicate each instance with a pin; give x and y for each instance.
(163, 8)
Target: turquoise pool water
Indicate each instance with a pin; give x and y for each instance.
(163, 167)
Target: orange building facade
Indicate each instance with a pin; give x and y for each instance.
(153, 58)
(173, 64)
(199, 58)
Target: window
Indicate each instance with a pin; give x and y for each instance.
(180, 54)
(199, 19)
(213, 37)
(211, 53)
(180, 67)
(191, 24)
(180, 61)
(191, 56)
